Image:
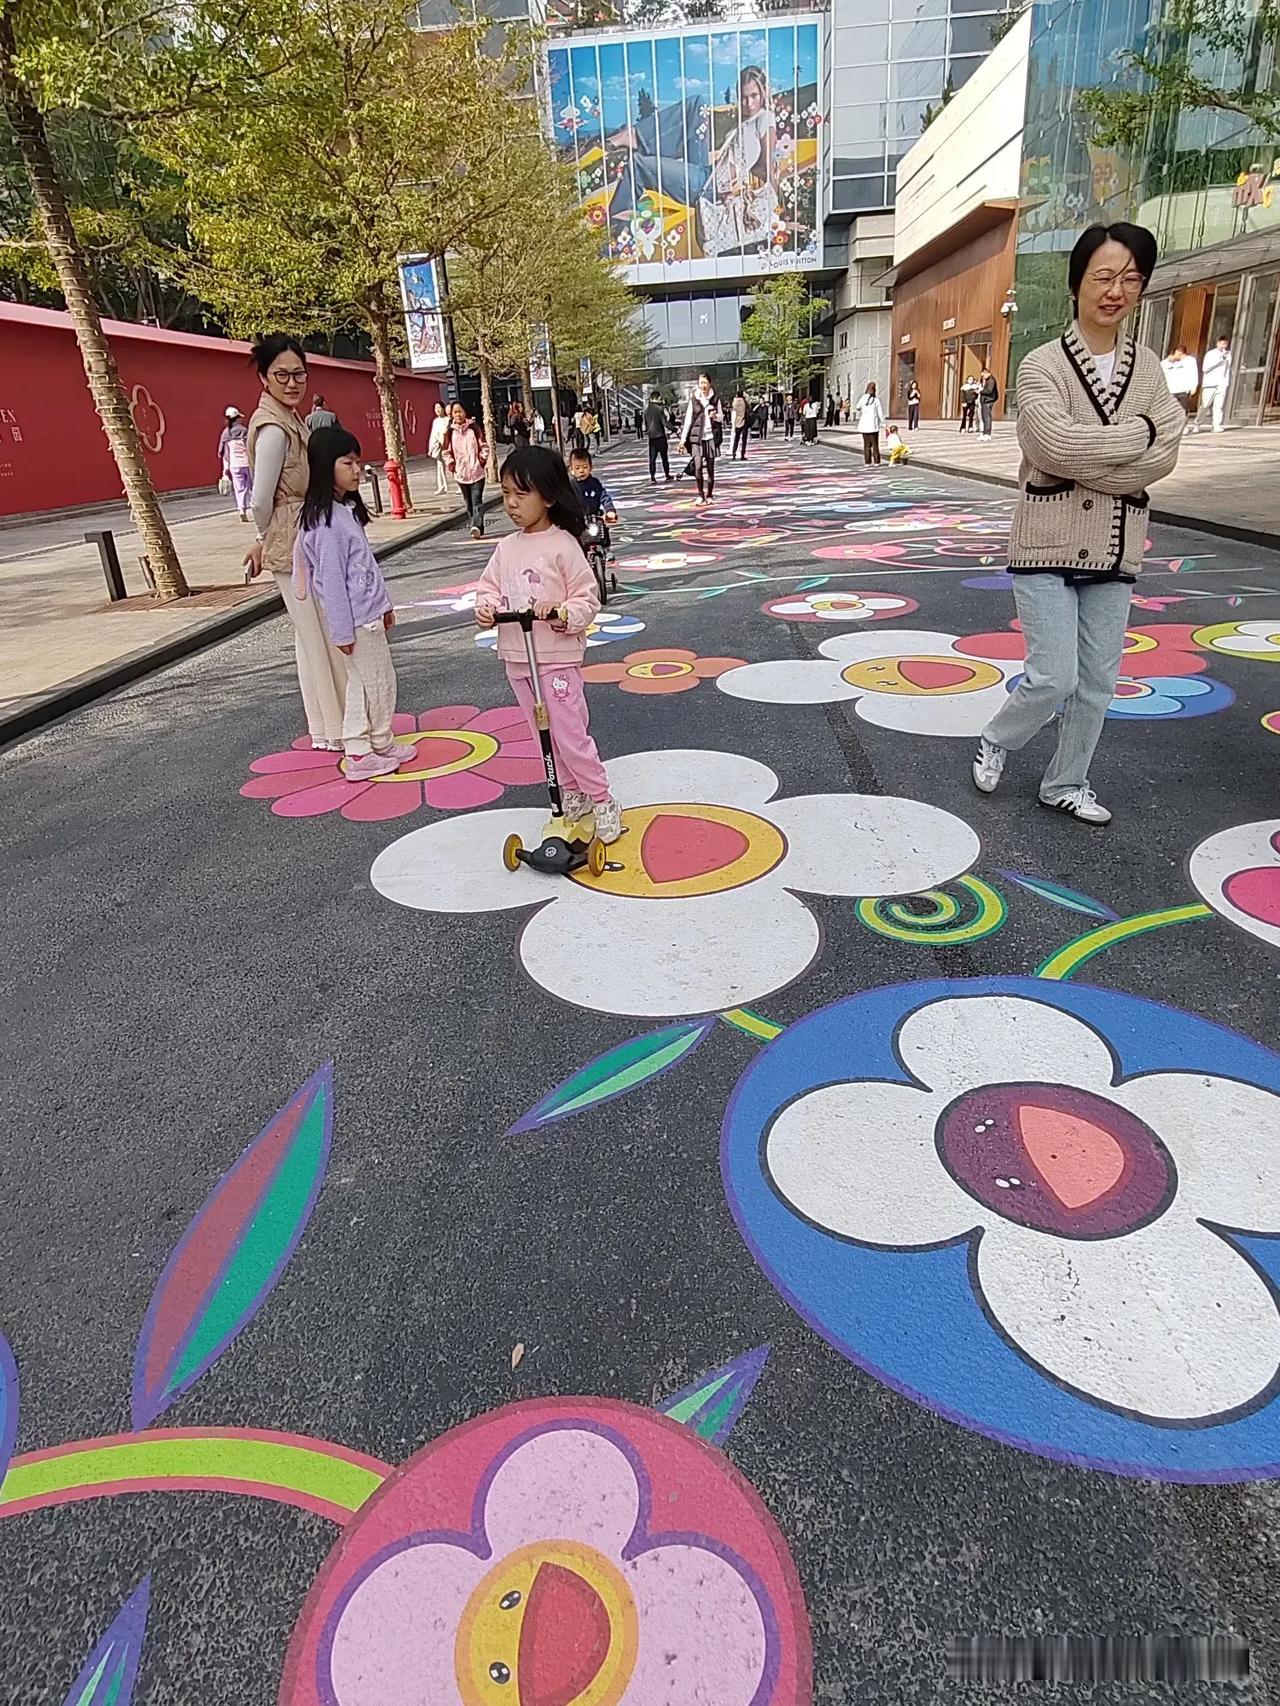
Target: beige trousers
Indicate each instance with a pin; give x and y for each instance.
(322, 669)
(371, 694)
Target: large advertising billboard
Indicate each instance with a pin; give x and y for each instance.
(696, 152)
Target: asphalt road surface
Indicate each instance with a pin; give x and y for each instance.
(845, 1227)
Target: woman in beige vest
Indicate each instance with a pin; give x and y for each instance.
(278, 458)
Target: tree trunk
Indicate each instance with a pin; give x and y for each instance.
(486, 409)
(384, 378)
(526, 390)
(99, 363)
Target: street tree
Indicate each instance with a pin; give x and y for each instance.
(376, 144)
(1216, 56)
(780, 327)
(113, 60)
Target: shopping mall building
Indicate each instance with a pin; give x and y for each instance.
(767, 141)
(992, 197)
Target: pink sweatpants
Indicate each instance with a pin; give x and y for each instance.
(577, 761)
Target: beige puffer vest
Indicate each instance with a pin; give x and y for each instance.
(291, 489)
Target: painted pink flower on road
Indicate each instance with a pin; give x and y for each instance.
(462, 757)
(557, 1551)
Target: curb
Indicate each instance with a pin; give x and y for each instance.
(81, 690)
(1163, 517)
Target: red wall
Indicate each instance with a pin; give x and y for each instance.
(52, 449)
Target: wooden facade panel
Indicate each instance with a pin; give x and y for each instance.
(967, 287)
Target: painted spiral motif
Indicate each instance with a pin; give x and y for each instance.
(965, 911)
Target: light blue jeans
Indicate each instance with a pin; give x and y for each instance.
(1075, 639)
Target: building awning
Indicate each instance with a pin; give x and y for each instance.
(1199, 266)
(984, 217)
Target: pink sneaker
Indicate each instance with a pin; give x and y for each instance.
(371, 765)
(399, 753)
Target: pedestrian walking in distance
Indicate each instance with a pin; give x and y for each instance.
(913, 406)
(278, 457)
(435, 448)
(639, 421)
(334, 564)
(1097, 425)
(542, 566)
(655, 426)
(789, 418)
(1214, 381)
(1182, 373)
(741, 427)
(233, 461)
(321, 415)
(810, 416)
(697, 437)
(969, 394)
(988, 397)
(466, 457)
(869, 416)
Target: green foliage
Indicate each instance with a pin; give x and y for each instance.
(1201, 56)
(931, 112)
(779, 326)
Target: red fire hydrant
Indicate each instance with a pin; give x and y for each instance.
(395, 488)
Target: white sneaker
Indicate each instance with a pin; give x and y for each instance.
(988, 766)
(1081, 803)
(608, 820)
(576, 805)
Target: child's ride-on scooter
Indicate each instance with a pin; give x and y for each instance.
(565, 847)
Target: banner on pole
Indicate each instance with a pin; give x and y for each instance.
(540, 360)
(423, 322)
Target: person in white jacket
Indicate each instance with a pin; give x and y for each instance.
(1182, 375)
(868, 415)
(1214, 381)
(435, 448)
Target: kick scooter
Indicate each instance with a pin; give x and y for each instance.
(565, 847)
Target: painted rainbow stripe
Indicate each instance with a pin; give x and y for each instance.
(1070, 958)
(289, 1469)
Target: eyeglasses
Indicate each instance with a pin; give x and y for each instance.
(1130, 281)
(289, 375)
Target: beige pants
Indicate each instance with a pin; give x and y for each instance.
(371, 694)
(322, 670)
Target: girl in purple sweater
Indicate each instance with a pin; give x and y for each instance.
(332, 559)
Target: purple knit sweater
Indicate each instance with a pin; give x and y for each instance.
(336, 563)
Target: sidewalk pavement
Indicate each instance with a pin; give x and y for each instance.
(62, 642)
(1227, 483)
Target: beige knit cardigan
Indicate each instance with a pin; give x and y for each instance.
(1089, 452)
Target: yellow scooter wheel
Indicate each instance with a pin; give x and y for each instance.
(596, 858)
(512, 848)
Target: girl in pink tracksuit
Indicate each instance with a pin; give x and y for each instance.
(542, 568)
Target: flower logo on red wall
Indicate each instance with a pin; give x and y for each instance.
(148, 417)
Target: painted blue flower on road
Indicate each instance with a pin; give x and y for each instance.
(1169, 696)
(1048, 1212)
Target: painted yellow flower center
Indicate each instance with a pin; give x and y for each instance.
(659, 669)
(455, 749)
(670, 852)
(924, 677)
(552, 1624)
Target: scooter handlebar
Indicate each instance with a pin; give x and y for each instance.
(525, 618)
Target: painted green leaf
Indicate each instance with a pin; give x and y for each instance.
(613, 1074)
(109, 1673)
(711, 1404)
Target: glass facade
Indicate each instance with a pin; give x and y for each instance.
(890, 59)
(1205, 182)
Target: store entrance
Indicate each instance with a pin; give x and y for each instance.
(950, 379)
(1254, 397)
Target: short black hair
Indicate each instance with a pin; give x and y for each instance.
(266, 350)
(1140, 243)
(535, 469)
(581, 455)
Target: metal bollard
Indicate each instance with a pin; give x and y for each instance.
(395, 488)
(372, 473)
(106, 544)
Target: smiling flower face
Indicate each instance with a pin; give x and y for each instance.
(697, 908)
(557, 1553)
(921, 683)
(832, 605)
(1050, 1213)
(668, 669)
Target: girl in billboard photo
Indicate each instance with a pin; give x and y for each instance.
(734, 195)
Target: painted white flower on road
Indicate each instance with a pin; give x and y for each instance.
(1237, 873)
(698, 908)
(831, 604)
(1259, 639)
(1093, 1200)
(920, 683)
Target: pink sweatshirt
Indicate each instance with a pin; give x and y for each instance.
(540, 568)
